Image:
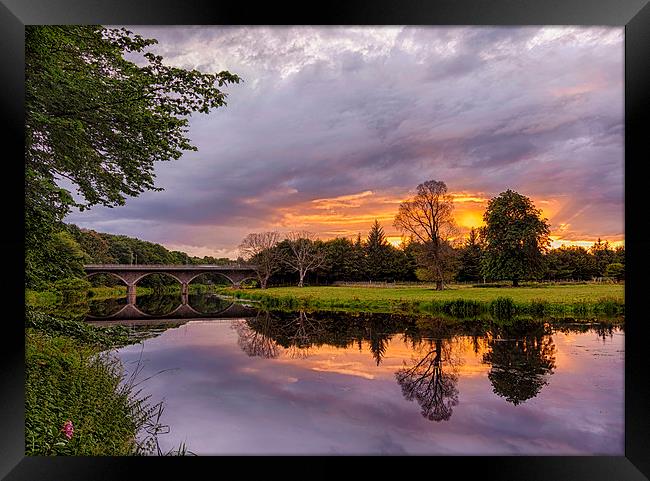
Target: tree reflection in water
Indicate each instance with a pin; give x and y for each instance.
(255, 336)
(521, 364)
(301, 331)
(521, 356)
(434, 389)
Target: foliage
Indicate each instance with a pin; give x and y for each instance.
(98, 121)
(516, 238)
(57, 257)
(67, 380)
(100, 338)
(574, 263)
(428, 217)
(615, 270)
(469, 258)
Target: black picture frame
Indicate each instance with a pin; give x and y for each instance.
(633, 14)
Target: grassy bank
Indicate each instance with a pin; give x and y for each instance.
(567, 300)
(71, 375)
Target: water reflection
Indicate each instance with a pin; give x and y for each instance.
(164, 305)
(158, 304)
(427, 382)
(521, 361)
(322, 382)
(255, 336)
(521, 356)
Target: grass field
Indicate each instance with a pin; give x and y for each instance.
(578, 299)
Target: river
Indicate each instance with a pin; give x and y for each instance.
(240, 380)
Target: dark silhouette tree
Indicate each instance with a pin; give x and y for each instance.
(470, 258)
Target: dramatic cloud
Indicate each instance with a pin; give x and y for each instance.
(333, 126)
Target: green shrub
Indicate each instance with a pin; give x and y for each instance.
(539, 307)
(502, 308)
(72, 290)
(99, 337)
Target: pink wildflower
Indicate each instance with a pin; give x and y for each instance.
(68, 429)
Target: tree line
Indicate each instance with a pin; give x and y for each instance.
(513, 245)
(498, 251)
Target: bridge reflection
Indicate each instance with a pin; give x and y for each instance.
(184, 310)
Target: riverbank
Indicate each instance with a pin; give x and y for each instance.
(78, 400)
(580, 300)
(71, 379)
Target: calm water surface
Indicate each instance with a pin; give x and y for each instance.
(333, 383)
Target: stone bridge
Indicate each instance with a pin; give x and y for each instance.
(130, 274)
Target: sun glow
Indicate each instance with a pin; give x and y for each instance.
(350, 215)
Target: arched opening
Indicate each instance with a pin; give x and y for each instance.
(209, 281)
(159, 282)
(203, 293)
(249, 283)
(107, 294)
(159, 293)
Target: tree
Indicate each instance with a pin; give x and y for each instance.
(615, 270)
(342, 262)
(570, 262)
(306, 254)
(603, 254)
(470, 258)
(516, 238)
(99, 121)
(260, 249)
(379, 255)
(428, 217)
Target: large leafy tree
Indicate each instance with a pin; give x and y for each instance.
(516, 238)
(97, 121)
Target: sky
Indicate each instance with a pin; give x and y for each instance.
(333, 127)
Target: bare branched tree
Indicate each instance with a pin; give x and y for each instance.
(428, 217)
(306, 254)
(260, 249)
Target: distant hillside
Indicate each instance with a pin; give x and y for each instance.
(102, 248)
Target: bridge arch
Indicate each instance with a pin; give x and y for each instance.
(109, 273)
(198, 274)
(146, 274)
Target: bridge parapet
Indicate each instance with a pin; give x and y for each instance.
(183, 273)
(171, 267)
